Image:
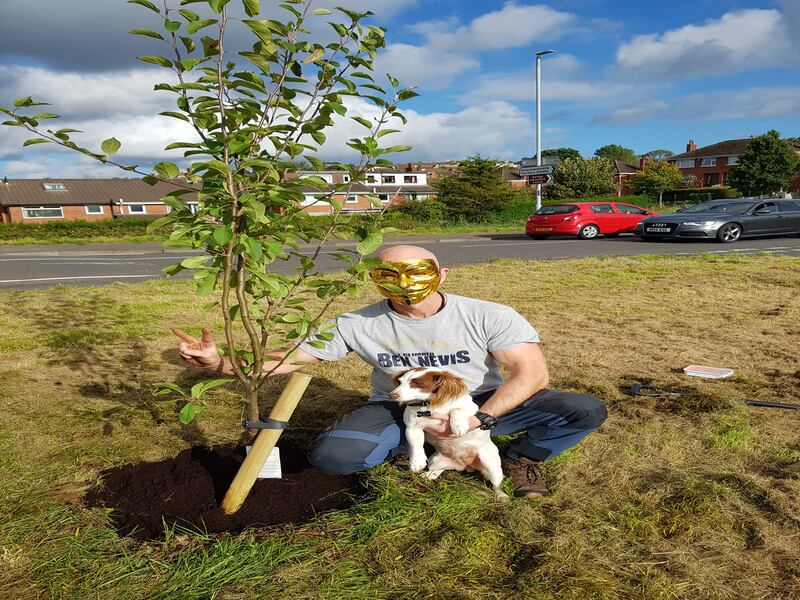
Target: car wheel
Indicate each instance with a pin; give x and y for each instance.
(730, 232)
(538, 237)
(611, 234)
(589, 232)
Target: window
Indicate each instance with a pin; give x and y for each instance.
(351, 199)
(709, 162)
(137, 209)
(94, 209)
(557, 209)
(193, 206)
(42, 212)
(603, 209)
(789, 206)
(307, 200)
(627, 209)
(685, 164)
(372, 179)
(411, 197)
(383, 198)
(733, 160)
(346, 178)
(53, 186)
(387, 179)
(409, 179)
(766, 208)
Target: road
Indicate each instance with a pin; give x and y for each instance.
(31, 267)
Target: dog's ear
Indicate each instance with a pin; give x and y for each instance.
(447, 387)
(396, 377)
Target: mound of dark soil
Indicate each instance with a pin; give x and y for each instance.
(187, 490)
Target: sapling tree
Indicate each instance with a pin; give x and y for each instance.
(259, 118)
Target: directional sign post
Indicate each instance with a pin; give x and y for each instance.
(526, 170)
(540, 179)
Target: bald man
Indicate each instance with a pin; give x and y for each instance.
(417, 325)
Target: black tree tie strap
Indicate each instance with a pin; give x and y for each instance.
(265, 424)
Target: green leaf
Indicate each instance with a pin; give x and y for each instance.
(362, 121)
(315, 55)
(188, 43)
(153, 225)
(145, 3)
(188, 14)
(167, 170)
(205, 285)
(252, 7)
(370, 242)
(322, 11)
(222, 235)
(156, 60)
(217, 5)
(147, 32)
(189, 412)
(201, 388)
(33, 141)
(23, 102)
(217, 165)
(194, 262)
(171, 26)
(110, 146)
(196, 26)
(164, 388)
(396, 149)
(392, 80)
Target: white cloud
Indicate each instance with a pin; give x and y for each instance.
(737, 42)
(449, 50)
(563, 79)
(495, 129)
(633, 113)
(748, 103)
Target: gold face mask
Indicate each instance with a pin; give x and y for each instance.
(407, 281)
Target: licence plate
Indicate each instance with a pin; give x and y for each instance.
(657, 230)
(543, 229)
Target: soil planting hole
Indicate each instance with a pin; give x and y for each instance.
(187, 490)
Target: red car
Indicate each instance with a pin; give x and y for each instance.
(587, 220)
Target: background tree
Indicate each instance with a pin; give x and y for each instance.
(582, 178)
(768, 165)
(660, 154)
(475, 191)
(617, 152)
(260, 117)
(562, 153)
(657, 177)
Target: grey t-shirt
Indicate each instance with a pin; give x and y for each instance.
(459, 338)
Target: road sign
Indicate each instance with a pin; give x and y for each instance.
(540, 179)
(526, 170)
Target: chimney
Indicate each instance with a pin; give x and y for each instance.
(642, 162)
(691, 146)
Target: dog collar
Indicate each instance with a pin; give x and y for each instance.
(421, 413)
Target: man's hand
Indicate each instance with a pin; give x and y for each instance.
(442, 427)
(200, 353)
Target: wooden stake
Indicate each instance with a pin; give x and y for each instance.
(264, 443)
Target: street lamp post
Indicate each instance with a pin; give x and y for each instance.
(539, 120)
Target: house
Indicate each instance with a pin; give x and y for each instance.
(42, 200)
(390, 186)
(711, 165)
(623, 172)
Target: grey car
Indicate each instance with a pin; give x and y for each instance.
(725, 220)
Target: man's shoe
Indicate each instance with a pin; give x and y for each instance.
(526, 477)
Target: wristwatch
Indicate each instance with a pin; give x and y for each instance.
(487, 421)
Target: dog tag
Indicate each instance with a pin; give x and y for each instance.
(272, 467)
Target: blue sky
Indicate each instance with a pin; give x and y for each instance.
(642, 74)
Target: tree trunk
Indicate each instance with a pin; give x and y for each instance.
(252, 403)
(660, 196)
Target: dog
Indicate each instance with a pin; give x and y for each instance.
(425, 390)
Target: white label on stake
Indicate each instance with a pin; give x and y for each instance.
(271, 468)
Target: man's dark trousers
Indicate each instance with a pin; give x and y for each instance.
(552, 421)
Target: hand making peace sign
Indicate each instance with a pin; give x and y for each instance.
(199, 353)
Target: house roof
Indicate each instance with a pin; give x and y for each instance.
(360, 188)
(511, 174)
(623, 168)
(726, 148)
(31, 192)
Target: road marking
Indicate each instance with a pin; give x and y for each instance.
(100, 257)
(76, 277)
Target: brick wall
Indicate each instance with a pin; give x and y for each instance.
(709, 176)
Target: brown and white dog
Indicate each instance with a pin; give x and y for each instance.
(426, 390)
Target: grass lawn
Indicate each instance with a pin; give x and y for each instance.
(695, 496)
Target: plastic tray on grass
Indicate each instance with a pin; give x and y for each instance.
(707, 372)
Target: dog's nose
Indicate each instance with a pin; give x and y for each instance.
(394, 395)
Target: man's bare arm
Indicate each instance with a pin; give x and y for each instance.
(203, 354)
(527, 375)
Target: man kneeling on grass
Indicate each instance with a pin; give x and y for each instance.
(419, 326)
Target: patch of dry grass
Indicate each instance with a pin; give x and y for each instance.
(696, 496)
